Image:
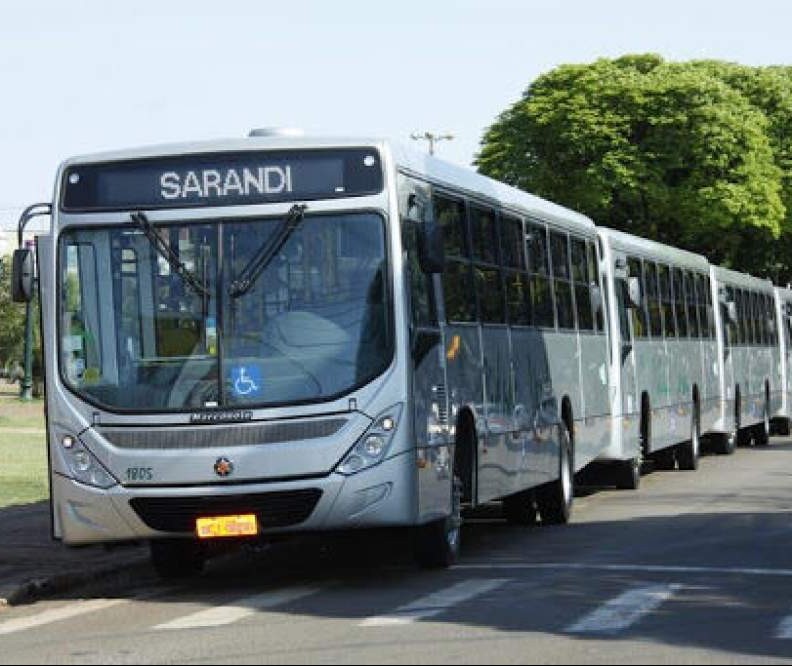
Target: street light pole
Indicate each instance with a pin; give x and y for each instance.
(431, 138)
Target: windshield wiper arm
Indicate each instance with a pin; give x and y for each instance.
(255, 267)
(164, 250)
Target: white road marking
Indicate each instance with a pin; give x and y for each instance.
(624, 611)
(435, 603)
(784, 630)
(219, 616)
(58, 614)
(628, 568)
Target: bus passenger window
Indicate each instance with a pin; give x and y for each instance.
(679, 303)
(653, 300)
(666, 299)
(692, 304)
(594, 281)
(460, 304)
(580, 277)
(541, 296)
(561, 282)
(639, 316)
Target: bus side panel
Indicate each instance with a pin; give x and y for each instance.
(465, 377)
(564, 364)
(710, 391)
(592, 430)
(501, 457)
(534, 405)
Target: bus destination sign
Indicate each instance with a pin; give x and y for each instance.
(221, 179)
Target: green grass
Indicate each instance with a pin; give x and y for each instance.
(23, 455)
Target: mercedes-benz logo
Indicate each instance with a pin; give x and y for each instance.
(223, 467)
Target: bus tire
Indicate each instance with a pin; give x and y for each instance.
(554, 499)
(665, 459)
(520, 508)
(437, 544)
(628, 474)
(177, 558)
(725, 443)
(687, 453)
(761, 432)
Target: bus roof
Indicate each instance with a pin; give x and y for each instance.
(736, 279)
(455, 177)
(649, 248)
(409, 159)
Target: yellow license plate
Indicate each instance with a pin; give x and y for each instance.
(226, 526)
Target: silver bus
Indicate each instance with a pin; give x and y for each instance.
(251, 337)
(664, 377)
(783, 307)
(750, 358)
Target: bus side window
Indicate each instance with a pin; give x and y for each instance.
(666, 299)
(653, 300)
(679, 303)
(515, 275)
(582, 282)
(562, 286)
(422, 301)
(594, 281)
(486, 265)
(691, 300)
(710, 308)
(460, 304)
(639, 313)
(541, 295)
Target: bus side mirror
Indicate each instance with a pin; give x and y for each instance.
(634, 291)
(431, 247)
(22, 276)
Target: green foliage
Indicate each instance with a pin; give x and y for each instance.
(697, 155)
(12, 319)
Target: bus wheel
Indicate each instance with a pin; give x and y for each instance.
(761, 432)
(437, 544)
(520, 508)
(725, 443)
(554, 499)
(628, 474)
(177, 558)
(687, 453)
(665, 459)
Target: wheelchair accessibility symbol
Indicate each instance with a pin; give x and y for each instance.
(247, 381)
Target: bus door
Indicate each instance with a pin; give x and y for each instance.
(627, 296)
(428, 356)
(786, 325)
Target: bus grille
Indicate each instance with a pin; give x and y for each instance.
(202, 437)
(178, 514)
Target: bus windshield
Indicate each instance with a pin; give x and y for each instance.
(135, 335)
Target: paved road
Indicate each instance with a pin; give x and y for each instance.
(696, 567)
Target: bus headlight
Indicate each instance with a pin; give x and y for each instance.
(372, 448)
(83, 466)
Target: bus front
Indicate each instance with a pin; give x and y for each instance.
(221, 346)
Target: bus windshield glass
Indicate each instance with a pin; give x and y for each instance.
(137, 335)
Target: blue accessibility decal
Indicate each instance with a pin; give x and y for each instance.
(247, 381)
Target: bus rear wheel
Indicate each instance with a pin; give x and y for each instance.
(520, 508)
(687, 453)
(725, 443)
(177, 558)
(628, 474)
(554, 499)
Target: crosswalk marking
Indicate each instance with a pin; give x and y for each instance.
(435, 603)
(58, 614)
(625, 610)
(219, 616)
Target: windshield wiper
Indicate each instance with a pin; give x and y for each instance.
(164, 250)
(250, 273)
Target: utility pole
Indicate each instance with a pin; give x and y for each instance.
(431, 138)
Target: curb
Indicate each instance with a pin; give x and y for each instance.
(35, 589)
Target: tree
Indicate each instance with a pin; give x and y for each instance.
(669, 151)
(12, 319)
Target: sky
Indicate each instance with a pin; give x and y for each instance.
(83, 75)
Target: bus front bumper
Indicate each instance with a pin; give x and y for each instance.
(383, 495)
